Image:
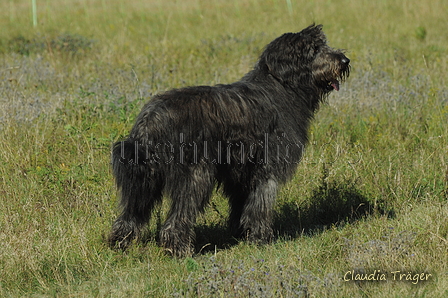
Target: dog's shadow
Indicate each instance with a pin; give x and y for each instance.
(331, 204)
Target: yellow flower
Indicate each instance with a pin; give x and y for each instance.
(64, 167)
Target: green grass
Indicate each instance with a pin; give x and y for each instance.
(370, 194)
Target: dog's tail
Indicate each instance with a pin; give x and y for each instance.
(129, 165)
(138, 189)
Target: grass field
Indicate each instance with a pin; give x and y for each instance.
(370, 196)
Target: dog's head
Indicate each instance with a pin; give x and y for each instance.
(304, 60)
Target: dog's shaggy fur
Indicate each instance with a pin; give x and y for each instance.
(247, 136)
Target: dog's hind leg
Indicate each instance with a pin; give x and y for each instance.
(190, 191)
(140, 191)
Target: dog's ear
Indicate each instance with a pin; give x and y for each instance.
(308, 51)
(313, 32)
(310, 40)
(280, 59)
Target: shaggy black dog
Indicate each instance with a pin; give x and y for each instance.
(247, 136)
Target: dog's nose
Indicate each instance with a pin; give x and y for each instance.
(345, 60)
